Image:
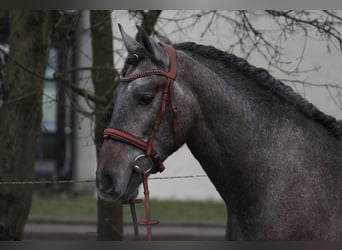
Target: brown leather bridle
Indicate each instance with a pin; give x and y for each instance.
(168, 96)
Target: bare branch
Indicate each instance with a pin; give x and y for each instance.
(82, 92)
(303, 20)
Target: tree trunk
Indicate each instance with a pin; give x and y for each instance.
(109, 219)
(20, 116)
(150, 19)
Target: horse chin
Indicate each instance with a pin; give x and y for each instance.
(115, 197)
(128, 197)
(109, 196)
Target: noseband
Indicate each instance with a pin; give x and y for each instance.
(123, 136)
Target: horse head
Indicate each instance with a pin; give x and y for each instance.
(145, 127)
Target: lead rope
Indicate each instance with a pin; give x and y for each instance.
(148, 222)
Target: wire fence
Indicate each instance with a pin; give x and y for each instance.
(41, 182)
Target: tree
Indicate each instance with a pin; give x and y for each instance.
(109, 219)
(20, 115)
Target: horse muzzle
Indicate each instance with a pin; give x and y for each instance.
(111, 189)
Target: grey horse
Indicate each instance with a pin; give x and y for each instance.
(274, 158)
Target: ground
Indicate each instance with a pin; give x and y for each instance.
(87, 231)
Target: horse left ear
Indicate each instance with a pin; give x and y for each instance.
(131, 45)
(153, 48)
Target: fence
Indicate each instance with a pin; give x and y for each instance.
(88, 180)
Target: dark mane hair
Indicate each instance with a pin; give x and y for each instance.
(263, 77)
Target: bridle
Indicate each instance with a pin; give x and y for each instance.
(168, 96)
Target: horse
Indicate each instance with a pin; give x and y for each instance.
(274, 158)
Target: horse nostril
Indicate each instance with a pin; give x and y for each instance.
(105, 181)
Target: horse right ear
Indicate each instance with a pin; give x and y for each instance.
(153, 48)
(131, 44)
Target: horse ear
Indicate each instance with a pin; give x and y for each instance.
(152, 47)
(131, 44)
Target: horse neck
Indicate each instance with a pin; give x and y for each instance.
(220, 131)
(233, 134)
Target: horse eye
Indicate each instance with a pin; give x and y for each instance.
(145, 99)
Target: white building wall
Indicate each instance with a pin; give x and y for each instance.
(85, 153)
(182, 163)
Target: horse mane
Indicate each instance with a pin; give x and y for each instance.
(264, 78)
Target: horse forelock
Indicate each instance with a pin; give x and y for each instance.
(264, 79)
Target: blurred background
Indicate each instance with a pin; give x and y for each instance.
(85, 55)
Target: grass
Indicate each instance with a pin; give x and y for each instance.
(84, 209)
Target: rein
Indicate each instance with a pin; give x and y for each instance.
(147, 147)
(148, 222)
